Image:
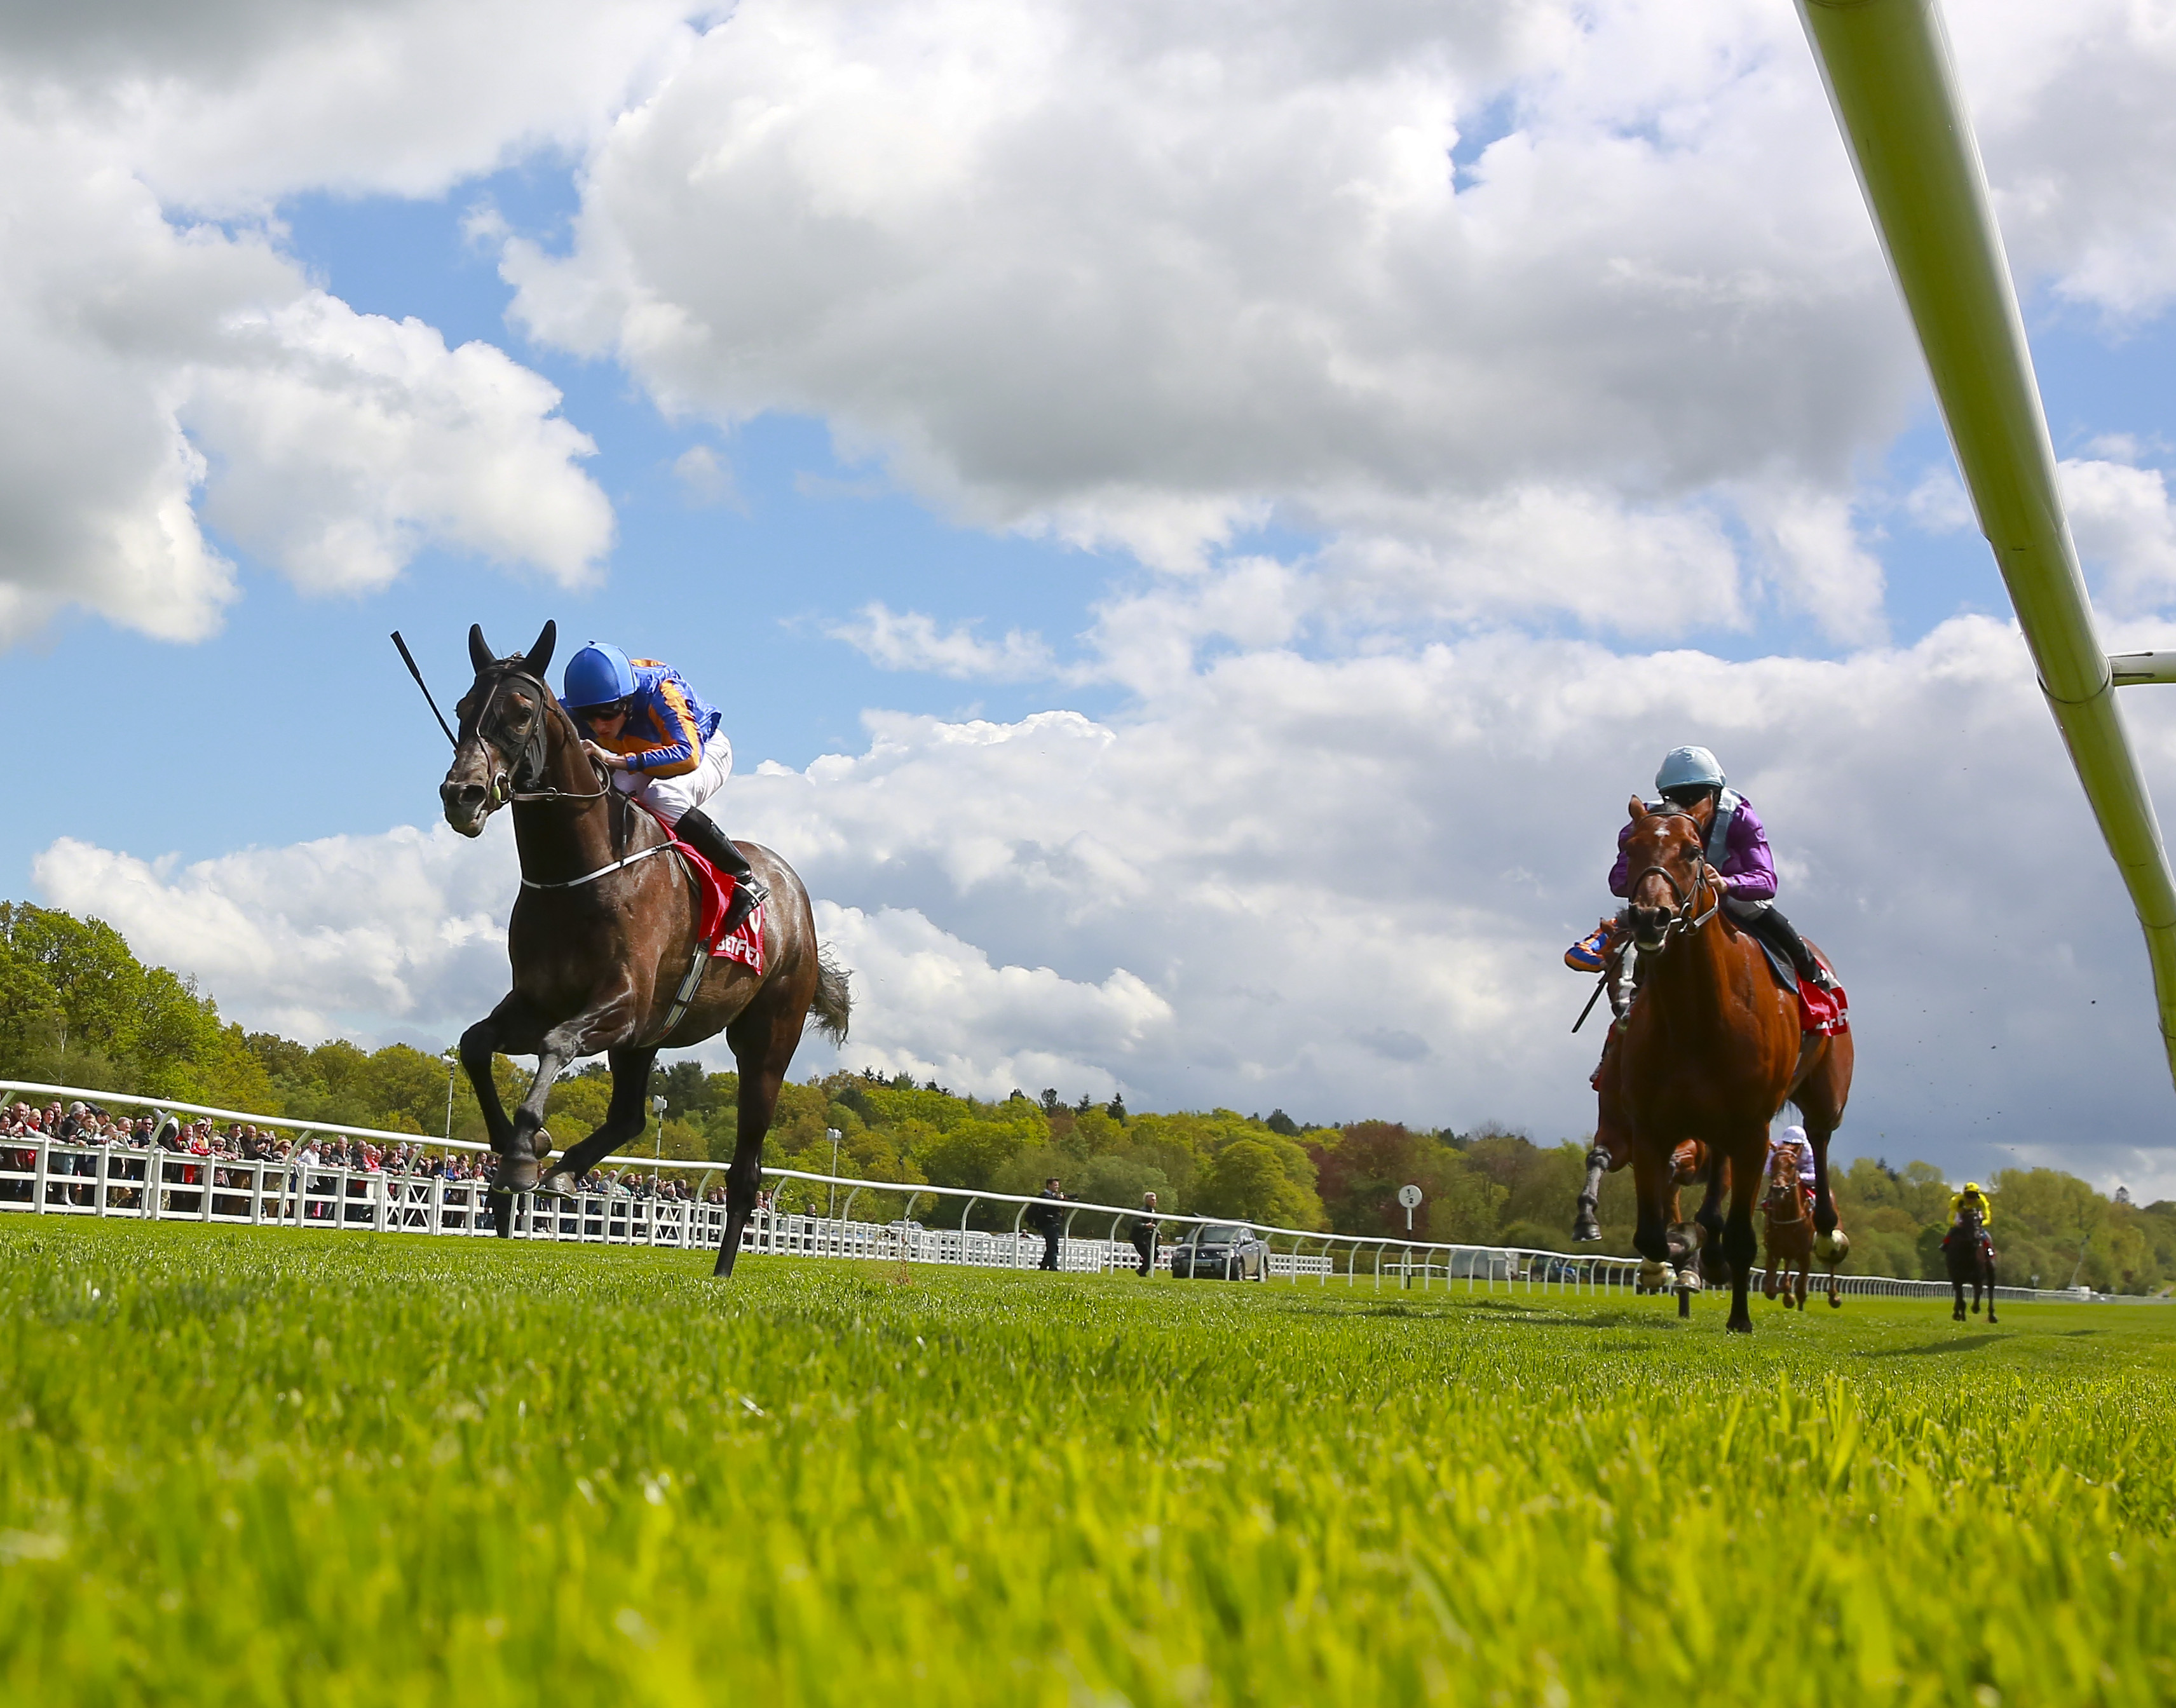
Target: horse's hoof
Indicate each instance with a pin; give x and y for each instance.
(515, 1174)
(558, 1184)
(1832, 1247)
(1653, 1278)
(1689, 1280)
(1836, 1304)
(1586, 1228)
(1737, 1327)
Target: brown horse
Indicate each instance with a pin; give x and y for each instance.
(603, 936)
(1711, 1049)
(1969, 1257)
(1789, 1239)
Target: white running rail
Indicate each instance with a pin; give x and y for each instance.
(156, 1185)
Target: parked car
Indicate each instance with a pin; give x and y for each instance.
(1221, 1251)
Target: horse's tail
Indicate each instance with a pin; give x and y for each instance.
(835, 1003)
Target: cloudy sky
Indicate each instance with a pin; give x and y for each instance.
(1198, 515)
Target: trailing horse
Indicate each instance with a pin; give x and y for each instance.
(604, 942)
(1789, 1239)
(1711, 1049)
(1969, 1257)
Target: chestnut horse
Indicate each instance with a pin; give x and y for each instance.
(1711, 1049)
(1789, 1239)
(1969, 1258)
(601, 937)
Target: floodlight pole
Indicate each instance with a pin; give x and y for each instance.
(1893, 90)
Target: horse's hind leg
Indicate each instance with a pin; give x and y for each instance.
(1990, 1295)
(624, 1119)
(763, 1039)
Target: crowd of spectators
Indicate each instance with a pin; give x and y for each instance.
(302, 1183)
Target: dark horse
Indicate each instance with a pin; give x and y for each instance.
(1711, 1049)
(1970, 1257)
(602, 937)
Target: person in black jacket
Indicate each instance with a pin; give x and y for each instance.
(1143, 1233)
(1051, 1220)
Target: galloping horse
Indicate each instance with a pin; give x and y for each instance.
(601, 937)
(1789, 1239)
(1966, 1255)
(1711, 1049)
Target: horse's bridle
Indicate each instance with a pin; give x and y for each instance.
(506, 785)
(1681, 917)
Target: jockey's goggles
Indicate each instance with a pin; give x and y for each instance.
(612, 708)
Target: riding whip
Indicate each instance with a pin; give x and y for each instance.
(1590, 1002)
(407, 658)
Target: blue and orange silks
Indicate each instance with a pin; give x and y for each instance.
(667, 722)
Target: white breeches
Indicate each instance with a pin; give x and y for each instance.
(670, 796)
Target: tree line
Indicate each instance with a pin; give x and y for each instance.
(77, 1008)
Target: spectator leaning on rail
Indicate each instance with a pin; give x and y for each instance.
(1050, 1221)
(1143, 1233)
(663, 747)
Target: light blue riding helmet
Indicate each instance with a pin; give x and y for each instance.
(1683, 767)
(597, 675)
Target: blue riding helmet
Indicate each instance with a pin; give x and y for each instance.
(597, 675)
(1683, 767)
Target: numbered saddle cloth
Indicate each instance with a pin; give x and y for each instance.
(715, 892)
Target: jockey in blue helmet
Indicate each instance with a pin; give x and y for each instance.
(1737, 849)
(662, 747)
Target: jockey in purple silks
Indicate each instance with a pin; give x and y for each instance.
(1736, 848)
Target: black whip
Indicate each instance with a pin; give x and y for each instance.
(1590, 1002)
(408, 660)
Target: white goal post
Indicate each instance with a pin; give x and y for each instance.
(1892, 83)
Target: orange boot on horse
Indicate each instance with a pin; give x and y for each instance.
(1712, 1044)
(608, 943)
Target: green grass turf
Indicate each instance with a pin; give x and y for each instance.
(247, 1465)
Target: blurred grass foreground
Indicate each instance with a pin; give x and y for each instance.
(244, 1467)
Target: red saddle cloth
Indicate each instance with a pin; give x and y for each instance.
(1824, 1011)
(715, 889)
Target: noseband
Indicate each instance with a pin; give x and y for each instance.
(508, 784)
(1682, 917)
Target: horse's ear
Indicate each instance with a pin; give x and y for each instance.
(480, 654)
(1636, 809)
(538, 658)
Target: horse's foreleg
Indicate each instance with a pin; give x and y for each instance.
(624, 1119)
(1651, 1179)
(511, 1027)
(1990, 1292)
(1713, 1253)
(596, 1026)
(1740, 1246)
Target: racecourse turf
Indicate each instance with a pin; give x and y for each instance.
(243, 1465)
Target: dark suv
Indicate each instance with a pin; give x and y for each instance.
(1222, 1251)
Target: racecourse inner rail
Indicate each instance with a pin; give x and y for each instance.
(159, 1185)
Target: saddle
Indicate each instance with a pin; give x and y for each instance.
(1823, 1012)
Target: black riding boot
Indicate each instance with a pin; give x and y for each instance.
(1784, 936)
(707, 840)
